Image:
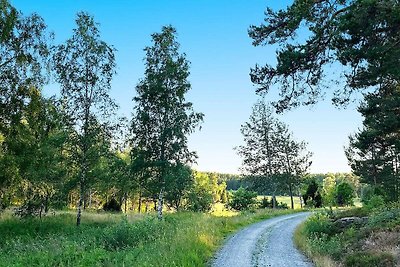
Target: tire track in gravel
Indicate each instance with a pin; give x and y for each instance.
(267, 243)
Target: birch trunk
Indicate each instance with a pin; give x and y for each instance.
(160, 205)
(80, 204)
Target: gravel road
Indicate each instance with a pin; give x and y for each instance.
(267, 243)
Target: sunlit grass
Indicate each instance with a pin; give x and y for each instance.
(219, 210)
(105, 239)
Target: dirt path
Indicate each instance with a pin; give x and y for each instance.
(267, 243)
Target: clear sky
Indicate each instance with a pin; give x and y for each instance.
(213, 34)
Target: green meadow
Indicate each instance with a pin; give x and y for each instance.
(106, 239)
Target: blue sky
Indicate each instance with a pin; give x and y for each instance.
(213, 34)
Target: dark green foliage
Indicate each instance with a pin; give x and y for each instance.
(319, 225)
(370, 259)
(312, 197)
(386, 218)
(112, 205)
(199, 199)
(265, 203)
(242, 199)
(24, 51)
(179, 180)
(361, 36)
(37, 200)
(374, 202)
(374, 152)
(344, 194)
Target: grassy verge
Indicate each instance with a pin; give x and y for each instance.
(182, 239)
(372, 240)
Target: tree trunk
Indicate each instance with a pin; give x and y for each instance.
(291, 196)
(273, 201)
(78, 216)
(160, 205)
(84, 201)
(126, 201)
(301, 200)
(140, 201)
(90, 198)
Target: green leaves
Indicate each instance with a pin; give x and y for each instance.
(162, 117)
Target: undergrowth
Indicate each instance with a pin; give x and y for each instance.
(371, 240)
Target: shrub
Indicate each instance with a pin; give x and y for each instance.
(265, 203)
(312, 197)
(383, 218)
(370, 259)
(326, 245)
(283, 205)
(112, 205)
(242, 199)
(320, 224)
(30, 208)
(374, 202)
(199, 199)
(344, 194)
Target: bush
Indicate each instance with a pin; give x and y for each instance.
(242, 199)
(368, 192)
(369, 259)
(384, 218)
(325, 245)
(199, 199)
(320, 224)
(30, 208)
(265, 203)
(283, 205)
(112, 205)
(374, 202)
(344, 194)
(312, 197)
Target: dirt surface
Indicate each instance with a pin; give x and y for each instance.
(267, 243)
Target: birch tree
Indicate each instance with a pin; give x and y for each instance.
(23, 67)
(84, 68)
(163, 118)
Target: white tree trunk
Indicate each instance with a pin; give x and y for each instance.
(160, 205)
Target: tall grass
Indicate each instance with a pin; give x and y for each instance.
(182, 239)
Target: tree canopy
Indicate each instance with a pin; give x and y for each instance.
(272, 158)
(163, 118)
(357, 39)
